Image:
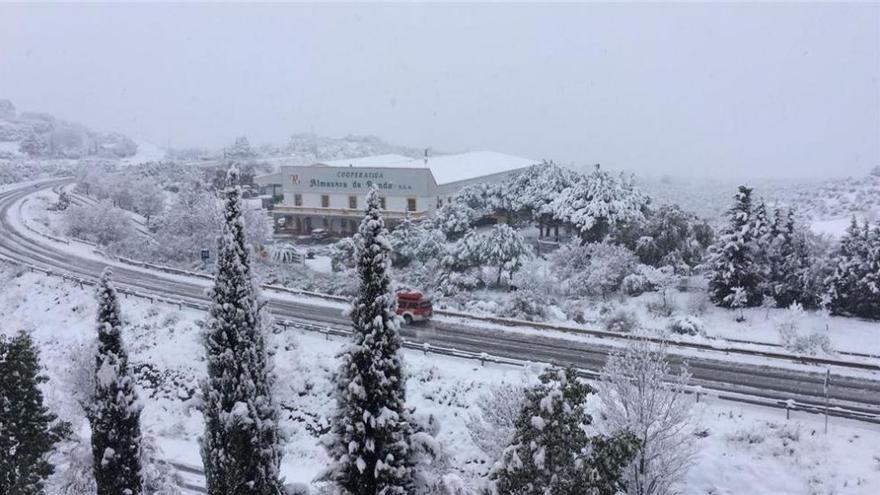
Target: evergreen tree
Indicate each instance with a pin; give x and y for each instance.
(241, 448)
(551, 453)
(763, 232)
(28, 431)
(790, 265)
(115, 412)
(731, 258)
(854, 286)
(370, 442)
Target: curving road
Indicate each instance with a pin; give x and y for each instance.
(847, 395)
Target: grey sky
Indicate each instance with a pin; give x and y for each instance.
(721, 90)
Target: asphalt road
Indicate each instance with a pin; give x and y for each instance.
(771, 381)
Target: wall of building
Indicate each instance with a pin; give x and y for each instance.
(339, 183)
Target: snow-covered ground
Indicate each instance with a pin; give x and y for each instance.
(741, 449)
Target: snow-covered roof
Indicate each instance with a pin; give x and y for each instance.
(445, 168)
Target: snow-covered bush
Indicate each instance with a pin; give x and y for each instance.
(592, 269)
(492, 429)
(342, 254)
(687, 325)
(621, 320)
(795, 338)
(101, 223)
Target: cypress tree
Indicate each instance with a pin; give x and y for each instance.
(732, 258)
(241, 448)
(28, 431)
(370, 442)
(551, 452)
(115, 412)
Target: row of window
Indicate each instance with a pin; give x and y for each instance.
(353, 202)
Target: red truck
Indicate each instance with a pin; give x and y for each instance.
(414, 306)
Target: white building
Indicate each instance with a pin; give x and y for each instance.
(330, 194)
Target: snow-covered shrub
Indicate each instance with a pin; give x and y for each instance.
(592, 269)
(635, 284)
(492, 429)
(621, 320)
(101, 223)
(687, 325)
(342, 254)
(793, 337)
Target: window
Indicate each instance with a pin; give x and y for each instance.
(353, 202)
(410, 204)
(325, 201)
(448, 199)
(439, 202)
(297, 200)
(382, 202)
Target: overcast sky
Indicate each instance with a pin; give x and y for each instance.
(717, 90)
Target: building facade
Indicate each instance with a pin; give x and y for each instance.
(330, 195)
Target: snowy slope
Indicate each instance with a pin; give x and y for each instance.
(742, 450)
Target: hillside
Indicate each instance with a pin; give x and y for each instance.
(42, 135)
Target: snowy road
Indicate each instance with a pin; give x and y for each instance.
(781, 381)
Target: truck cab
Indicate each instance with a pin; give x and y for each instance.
(414, 306)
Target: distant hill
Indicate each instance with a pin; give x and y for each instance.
(826, 204)
(41, 135)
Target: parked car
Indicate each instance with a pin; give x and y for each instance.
(414, 306)
(319, 234)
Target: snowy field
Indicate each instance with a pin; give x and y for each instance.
(741, 449)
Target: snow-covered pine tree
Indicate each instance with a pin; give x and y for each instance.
(790, 263)
(854, 286)
(241, 448)
(370, 441)
(28, 431)
(731, 258)
(597, 203)
(115, 412)
(551, 452)
(762, 240)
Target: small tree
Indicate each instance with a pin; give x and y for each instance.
(640, 394)
(28, 431)
(732, 258)
(115, 412)
(241, 449)
(505, 249)
(552, 454)
(370, 443)
(148, 199)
